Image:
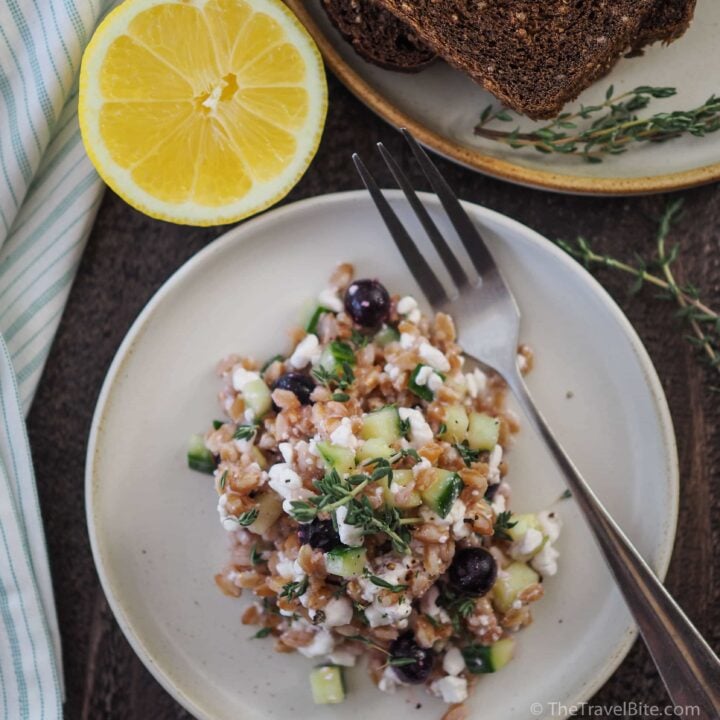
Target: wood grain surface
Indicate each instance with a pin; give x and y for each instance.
(129, 256)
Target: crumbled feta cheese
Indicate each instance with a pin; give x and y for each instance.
(351, 535)
(229, 522)
(406, 304)
(550, 524)
(545, 562)
(423, 374)
(343, 436)
(451, 689)
(407, 340)
(476, 382)
(285, 566)
(434, 382)
(389, 681)
(429, 606)
(284, 480)
(422, 465)
(338, 611)
(287, 452)
(456, 516)
(494, 461)
(453, 662)
(249, 415)
(329, 298)
(241, 377)
(499, 504)
(428, 377)
(393, 371)
(434, 357)
(322, 644)
(307, 351)
(527, 544)
(397, 613)
(408, 307)
(342, 657)
(420, 432)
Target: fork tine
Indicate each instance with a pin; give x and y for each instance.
(466, 230)
(446, 254)
(426, 279)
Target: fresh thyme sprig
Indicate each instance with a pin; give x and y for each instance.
(609, 128)
(335, 491)
(657, 271)
(392, 661)
(247, 518)
(245, 432)
(503, 523)
(457, 606)
(380, 582)
(329, 378)
(293, 590)
(468, 455)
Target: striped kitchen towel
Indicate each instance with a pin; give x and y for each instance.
(49, 194)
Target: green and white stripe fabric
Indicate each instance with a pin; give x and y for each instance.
(49, 194)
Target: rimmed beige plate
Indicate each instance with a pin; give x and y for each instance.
(155, 532)
(441, 107)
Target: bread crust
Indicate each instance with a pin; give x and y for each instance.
(378, 36)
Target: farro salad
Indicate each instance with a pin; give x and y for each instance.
(362, 484)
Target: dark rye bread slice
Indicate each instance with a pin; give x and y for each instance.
(378, 36)
(534, 56)
(667, 21)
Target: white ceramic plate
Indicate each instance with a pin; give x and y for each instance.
(442, 106)
(153, 524)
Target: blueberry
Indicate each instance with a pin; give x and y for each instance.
(491, 491)
(367, 302)
(406, 647)
(473, 571)
(301, 385)
(319, 534)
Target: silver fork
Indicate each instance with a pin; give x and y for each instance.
(488, 321)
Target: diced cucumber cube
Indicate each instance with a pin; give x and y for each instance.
(328, 685)
(386, 335)
(522, 524)
(199, 457)
(443, 491)
(383, 424)
(483, 431)
(269, 507)
(336, 355)
(337, 458)
(374, 448)
(345, 561)
(403, 478)
(510, 583)
(456, 424)
(257, 397)
(489, 658)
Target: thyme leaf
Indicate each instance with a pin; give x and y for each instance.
(610, 128)
(503, 523)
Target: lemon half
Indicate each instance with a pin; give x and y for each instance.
(201, 111)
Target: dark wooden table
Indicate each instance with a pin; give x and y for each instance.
(129, 256)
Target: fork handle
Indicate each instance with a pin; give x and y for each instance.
(687, 665)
